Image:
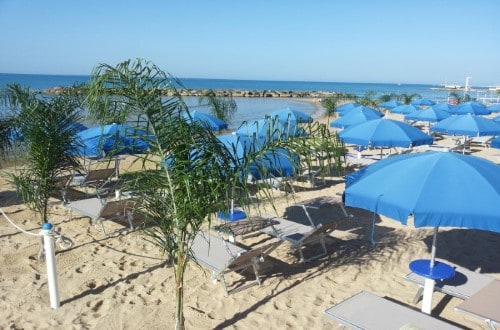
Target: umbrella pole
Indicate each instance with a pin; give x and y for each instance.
(433, 248)
(430, 283)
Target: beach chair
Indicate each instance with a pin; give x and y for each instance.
(358, 160)
(221, 257)
(100, 210)
(366, 310)
(245, 227)
(300, 236)
(463, 285)
(94, 178)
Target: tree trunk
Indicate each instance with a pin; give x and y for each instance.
(179, 290)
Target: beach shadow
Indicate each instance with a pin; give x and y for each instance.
(9, 198)
(99, 289)
(341, 253)
(476, 250)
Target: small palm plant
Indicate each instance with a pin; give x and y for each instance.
(43, 134)
(188, 175)
(222, 108)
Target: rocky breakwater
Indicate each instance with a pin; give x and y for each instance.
(229, 93)
(258, 93)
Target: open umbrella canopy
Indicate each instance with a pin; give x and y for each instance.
(430, 114)
(356, 116)
(112, 140)
(385, 133)
(405, 109)
(467, 125)
(495, 143)
(389, 104)
(239, 146)
(211, 122)
(346, 107)
(444, 106)
(275, 163)
(474, 108)
(359, 107)
(438, 188)
(494, 107)
(290, 115)
(269, 128)
(423, 102)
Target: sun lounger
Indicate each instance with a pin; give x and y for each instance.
(300, 235)
(99, 210)
(221, 257)
(481, 141)
(463, 285)
(484, 305)
(368, 311)
(357, 160)
(95, 178)
(244, 227)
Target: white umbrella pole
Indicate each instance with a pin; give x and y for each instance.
(433, 248)
(430, 283)
(48, 242)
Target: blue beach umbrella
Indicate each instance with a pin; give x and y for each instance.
(275, 163)
(494, 108)
(425, 186)
(430, 114)
(384, 133)
(290, 115)
(405, 109)
(423, 102)
(269, 128)
(239, 146)
(356, 116)
(211, 122)
(474, 108)
(467, 125)
(444, 106)
(344, 108)
(112, 140)
(495, 143)
(389, 104)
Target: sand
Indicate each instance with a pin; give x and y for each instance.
(122, 281)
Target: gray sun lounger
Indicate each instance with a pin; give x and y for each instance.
(463, 285)
(368, 311)
(99, 210)
(300, 235)
(221, 257)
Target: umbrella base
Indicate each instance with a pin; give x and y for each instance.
(235, 215)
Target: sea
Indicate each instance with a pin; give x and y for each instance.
(249, 109)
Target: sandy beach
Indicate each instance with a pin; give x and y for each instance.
(122, 281)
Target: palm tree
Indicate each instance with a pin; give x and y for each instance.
(407, 98)
(460, 98)
(188, 175)
(222, 108)
(41, 131)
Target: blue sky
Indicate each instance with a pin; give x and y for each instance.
(424, 41)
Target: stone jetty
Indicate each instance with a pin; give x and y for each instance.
(233, 93)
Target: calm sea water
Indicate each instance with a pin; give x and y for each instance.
(248, 108)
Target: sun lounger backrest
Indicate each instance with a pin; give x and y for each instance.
(99, 175)
(258, 252)
(315, 233)
(368, 311)
(113, 209)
